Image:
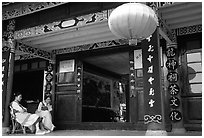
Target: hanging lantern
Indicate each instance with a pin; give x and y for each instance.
(133, 21)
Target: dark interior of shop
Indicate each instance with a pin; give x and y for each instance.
(30, 85)
(105, 88)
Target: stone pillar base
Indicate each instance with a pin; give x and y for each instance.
(5, 130)
(178, 130)
(156, 133)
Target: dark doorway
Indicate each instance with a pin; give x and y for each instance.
(104, 91)
(30, 84)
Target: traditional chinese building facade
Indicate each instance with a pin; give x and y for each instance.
(96, 80)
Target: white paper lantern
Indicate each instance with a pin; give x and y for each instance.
(133, 21)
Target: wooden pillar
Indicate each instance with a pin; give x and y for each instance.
(11, 45)
(133, 102)
(53, 62)
(153, 96)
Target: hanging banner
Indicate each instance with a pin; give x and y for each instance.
(152, 79)
(138, 59)
(5, 66)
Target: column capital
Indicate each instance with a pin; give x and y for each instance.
(173, 44)
(11, 45)
(52, 61)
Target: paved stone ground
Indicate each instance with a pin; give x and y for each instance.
(103, 133)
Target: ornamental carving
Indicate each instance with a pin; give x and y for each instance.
(49, 77)
(50, 68)
(85, 47)
(33, 51)
(25, 57)
(152, 118)
(48, 87)
(48, 81)
(64, 24)
(189, 30)
(30, 7)
(5, 48)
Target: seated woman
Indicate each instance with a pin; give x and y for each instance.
(44, 109)
(24, 118)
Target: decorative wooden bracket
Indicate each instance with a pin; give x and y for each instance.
(34, 51)
(165, 31)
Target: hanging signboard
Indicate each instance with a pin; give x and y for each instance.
(152, 80)
(66, 66)
(138, 59)
(173, 88)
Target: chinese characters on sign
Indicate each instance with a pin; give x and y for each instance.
(133, 59)
(79, 75)
(175, 116)
(151, 77)
(173, 88)
(171, 52)
(171, 64)
(172, 76)
(174, 102)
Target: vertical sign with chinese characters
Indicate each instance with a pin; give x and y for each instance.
(173, 88)
(152, 80)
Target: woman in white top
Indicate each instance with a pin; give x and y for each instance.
(23, 117)
(44, 109)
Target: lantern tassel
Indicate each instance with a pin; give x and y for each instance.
(132, 42)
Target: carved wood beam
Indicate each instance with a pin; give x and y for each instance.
(19, 9)
(34, 51)
(86, 47)
(73, 23)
